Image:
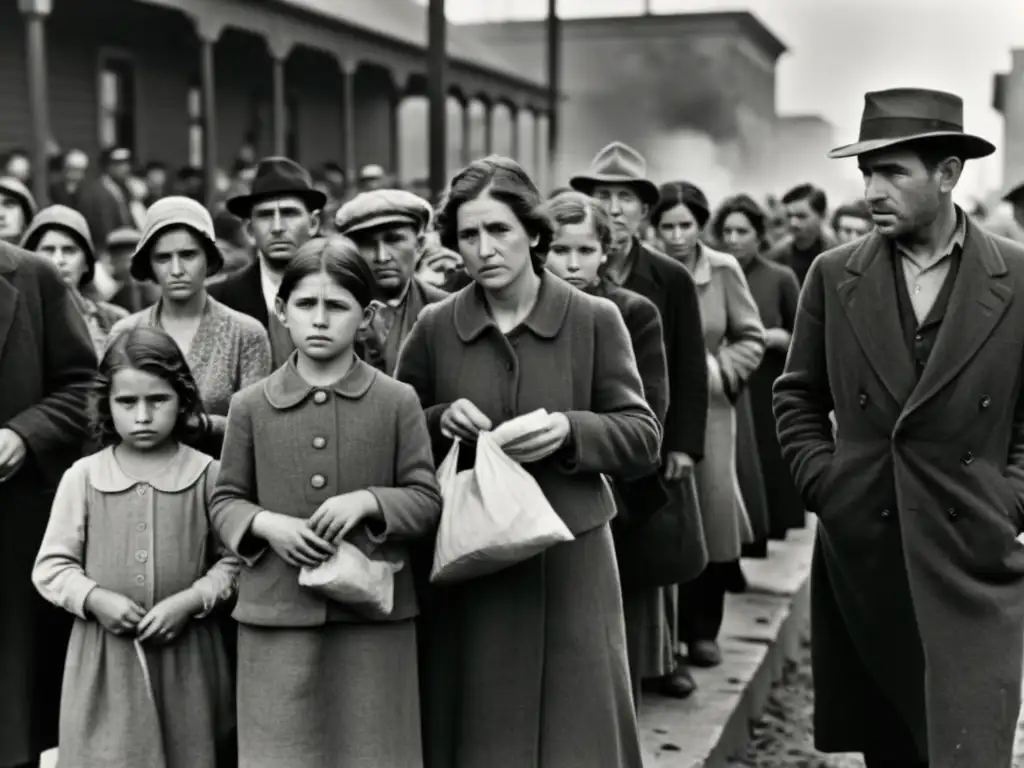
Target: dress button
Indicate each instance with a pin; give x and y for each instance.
(319, 442)
(141, 489)
(918, 337)
(140, 579)
(142, 556)
(320, 397)
(952, 513)
(318, 481)
(140, 527)
(886, 513)
(986, 401)
(967, 458)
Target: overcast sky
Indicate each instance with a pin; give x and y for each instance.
(838, 49)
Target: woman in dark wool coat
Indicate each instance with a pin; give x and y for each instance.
(47, 364)
(527, 666)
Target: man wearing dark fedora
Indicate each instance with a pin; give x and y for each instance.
(281, 212)
(618, 178)
(914, 336)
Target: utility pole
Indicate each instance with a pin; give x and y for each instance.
(437, 97)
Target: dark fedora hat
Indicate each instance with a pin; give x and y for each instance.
(277, 177)
(617, 163)
(899, 115)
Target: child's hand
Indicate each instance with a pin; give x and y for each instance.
(116, 613)
(292, 539)
(337, 516)
(164, 623)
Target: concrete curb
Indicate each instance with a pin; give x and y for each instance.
(762, 629)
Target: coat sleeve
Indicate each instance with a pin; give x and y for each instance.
(233, 503)
(59, 571)
(789, 297)
(58, 424)
(802, 398)
(620, 435)
(412, 506)
(416, 367)
(687, 417)
(220, 582)
(645, 333)
(743, 348)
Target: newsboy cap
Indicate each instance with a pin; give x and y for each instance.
(383, 208)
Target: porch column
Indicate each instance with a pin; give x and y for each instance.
(35, 13)
(348, 71)
(488, 128)
(208, 33)
(516, 148)
(279, 48)
(467, 132)
(437, 92)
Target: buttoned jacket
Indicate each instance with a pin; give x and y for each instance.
(289, 447)
(572, 354)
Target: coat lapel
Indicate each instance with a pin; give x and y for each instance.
(868, 297)
(8, 307)
(980, 297)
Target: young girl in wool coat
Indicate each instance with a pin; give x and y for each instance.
(129, 551)
(325, 450)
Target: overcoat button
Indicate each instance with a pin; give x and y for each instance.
(967, 458)
(318, 481)
(142, 556)
(863, 400)
(319, 442)
(952, 513)
(140, 527)
(320, 397)
(886, 513)
(140, 579)
(986, 401)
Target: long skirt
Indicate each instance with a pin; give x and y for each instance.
(171, 713)
(530, 665)
(332, 696)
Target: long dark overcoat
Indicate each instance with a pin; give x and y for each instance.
(47, 364)
(918, 580)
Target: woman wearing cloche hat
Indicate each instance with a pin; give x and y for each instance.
(225, 349)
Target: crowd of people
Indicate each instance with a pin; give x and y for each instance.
(192, 419)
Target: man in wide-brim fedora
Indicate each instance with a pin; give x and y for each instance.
(281, 212)
(914, 335)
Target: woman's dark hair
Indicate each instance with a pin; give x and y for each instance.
(576, 208)
(336, 256)
(152, 351)
(504, 180)
(681, 193)
(32, 243)
(746, 205)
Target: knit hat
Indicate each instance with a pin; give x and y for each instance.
(175, 212)
(70, 222)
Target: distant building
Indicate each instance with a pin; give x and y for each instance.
(694, 92)
(1008, 99)
(801, 147)
(314, 79)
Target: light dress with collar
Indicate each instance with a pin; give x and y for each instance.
(147, 540)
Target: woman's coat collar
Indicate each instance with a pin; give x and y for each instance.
(545, 319)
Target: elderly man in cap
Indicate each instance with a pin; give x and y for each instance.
(914, 336)
(388, 226)
(106, 202)
(618, 178)
(17, 207)
(281, 212)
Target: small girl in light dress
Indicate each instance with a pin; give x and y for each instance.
(129, 551)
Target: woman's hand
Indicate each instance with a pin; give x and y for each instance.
(115, 613)
(542, 444)
(777, 339)
(464, 421)
(168, 618)
(292, 539)
(677, 466)
(336, 517)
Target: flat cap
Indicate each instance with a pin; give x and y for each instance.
(383, 208)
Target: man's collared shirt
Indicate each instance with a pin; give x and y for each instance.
(924, 277)
(270, 286)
